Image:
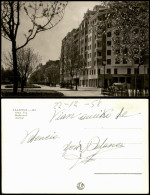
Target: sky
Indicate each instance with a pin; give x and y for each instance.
(48, 43)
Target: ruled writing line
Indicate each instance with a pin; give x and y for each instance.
(110, 128)
(118, 173)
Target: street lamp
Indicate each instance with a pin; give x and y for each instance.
(104, 64)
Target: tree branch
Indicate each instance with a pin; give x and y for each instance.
(18, 18)
(5, 31)
(27, 41)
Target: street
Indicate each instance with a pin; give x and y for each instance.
(82, 91)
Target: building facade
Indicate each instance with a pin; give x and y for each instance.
(102, 65)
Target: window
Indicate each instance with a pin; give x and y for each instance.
(99, 71)
(125, 51)
(128, 80)
(94, 54)
(115, 71)
(122, 79)
(99, 53)
(117, 61)
(90, 55)
(147, 70)
(94, 72)
(109, 25)
(136, 71)
(87, 72)
(128, 70)
(108, 61)
(109, 34)
(108, 43)
(124, 61)
(109, 52)
(99, 61)
(99, 44)
(108, 71)
(94, 63)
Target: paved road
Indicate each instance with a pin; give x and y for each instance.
(82, 91)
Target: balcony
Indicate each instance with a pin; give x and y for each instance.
(99, 38)
(98, 57)
(98, 47)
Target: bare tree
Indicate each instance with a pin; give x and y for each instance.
(28, 62)
(70, 60)
(42, 16)
(74, 61)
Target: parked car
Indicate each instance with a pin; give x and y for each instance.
(118, 89)
(119, 86)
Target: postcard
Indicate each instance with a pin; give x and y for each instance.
(75, 146)
(75, 49)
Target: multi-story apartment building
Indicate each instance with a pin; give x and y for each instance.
(102, 65)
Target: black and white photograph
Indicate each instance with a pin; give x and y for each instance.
(75, 49)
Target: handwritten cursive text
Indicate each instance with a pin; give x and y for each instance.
(33, 136)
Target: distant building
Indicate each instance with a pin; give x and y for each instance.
(102, 66)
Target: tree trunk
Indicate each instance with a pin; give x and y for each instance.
(76, 83)
(25, 81)
(23, 84)
(71, 83)
(15, 87)
(76, 86)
